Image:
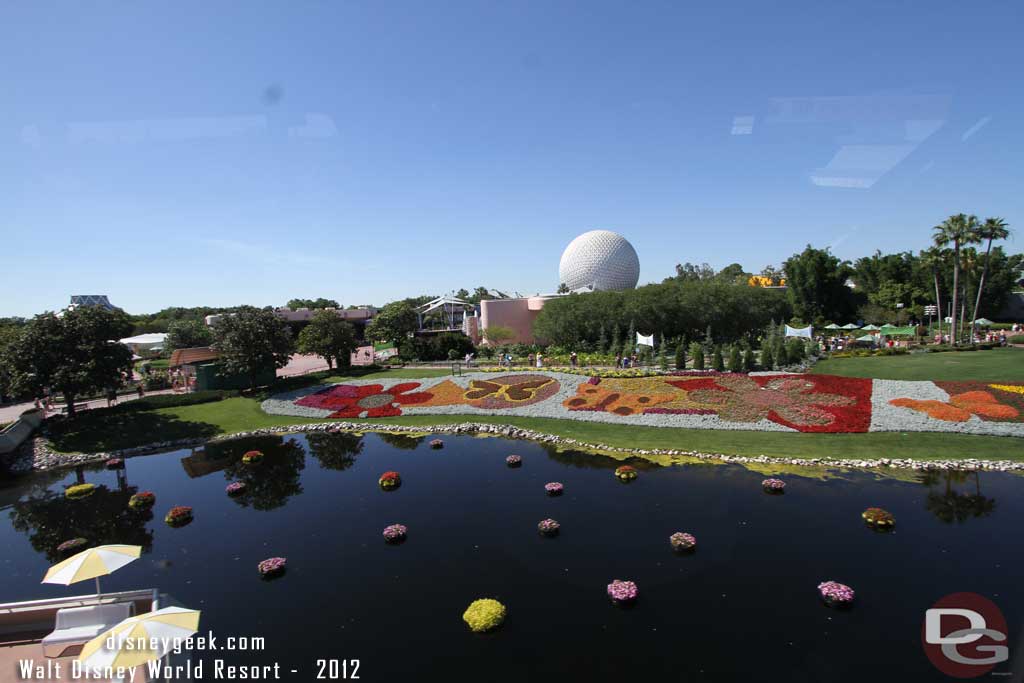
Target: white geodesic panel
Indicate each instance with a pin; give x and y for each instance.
(599, 259)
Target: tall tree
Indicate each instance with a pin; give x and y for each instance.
(394, 323)
(70, 353)
(251, 341)
(992, 229)
(187, 334)
(329, 337)
(817, 285)
(933, 259)
(958, 230)
(313, 304)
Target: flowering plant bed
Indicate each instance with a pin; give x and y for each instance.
(626, 473)
(779, 402)
(514, 461)
(836, 594)
(71, 545)
(390, 481)
(548, 527)
(436, 443)
(395, 533)
(235, 488)
(877, 518)
(179, 515)
(142, 500)
(774, 486)
(484, 615)
(252, 458)
(115, 464)
(272, 567)
(623, 592)
(682, 542)
(554, 488)
(79, 491)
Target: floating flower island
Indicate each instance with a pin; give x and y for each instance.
(272, 567)
(235, 488)
(682, 542)
(623, 592)
(252, 458)
(836, 594)
(390, 481)
(395, 533)
(626, 473)
(548, 527)
(142, 500)
(179, 515)
(71, 545)
(115, 464)
(880, 519)
(514, 461)
(773, 486)
(484, 615)
(79, 491)
(437, 443)
(554, 488)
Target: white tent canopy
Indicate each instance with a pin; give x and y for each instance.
(799, 332)
(145, 341)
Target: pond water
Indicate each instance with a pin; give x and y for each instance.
(743, 606)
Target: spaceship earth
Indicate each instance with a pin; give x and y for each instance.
(599, 259)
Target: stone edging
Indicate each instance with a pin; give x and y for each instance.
(39, 456)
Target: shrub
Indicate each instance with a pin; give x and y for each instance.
(1015, 339)
(735, 359)
(681, 356)
(79, 491)
(717, 362)
(795, 350)
(697, 354)
(484, 615)
(156, 381)
(767, 359)
(748, 360)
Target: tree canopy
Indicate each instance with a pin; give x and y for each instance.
(329, 337)
(394, 323)
(313, 304)
(251, 341)
(187, 334)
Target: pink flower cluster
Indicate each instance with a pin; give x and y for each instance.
(622, 591)
(272, 565)
(235, 488)
(513, 461)
(682, 541)
(554, 488)
(548, 527)
(773, 485)
(437, 443)
(115, 464)
(395, 533)
(72, 544)
(836, 593)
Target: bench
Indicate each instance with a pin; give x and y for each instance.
(79, 625)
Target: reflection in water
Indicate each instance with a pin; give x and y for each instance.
(273, 481)
(102, 518)
(404, 441)
(594, 462)
(949, 505)
(335, 450)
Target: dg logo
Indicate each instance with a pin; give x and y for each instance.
(964, 635)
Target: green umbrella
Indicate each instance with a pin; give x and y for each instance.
(873, 328)
(983, 322)
(850, 326)
(832, 326)
(866, 338)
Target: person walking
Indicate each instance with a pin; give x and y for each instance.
(572, 360)
(540, 360)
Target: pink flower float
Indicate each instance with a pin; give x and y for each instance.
(115, 464)
(235, 488)
(514, 461)
(436, 444)
(548, 527)
(395, 533)
(773, 486)
(835, 594)
(623, 592)
(682, 542)
(272, 567)
(554, 488)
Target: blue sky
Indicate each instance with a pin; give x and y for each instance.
(217, 154)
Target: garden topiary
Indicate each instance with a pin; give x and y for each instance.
(484, 615)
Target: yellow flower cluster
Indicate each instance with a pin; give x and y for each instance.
(484, 614)
(79, 490)
(1012, 388)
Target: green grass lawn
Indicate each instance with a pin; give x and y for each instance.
(1006, 365)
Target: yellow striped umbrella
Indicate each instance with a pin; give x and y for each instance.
(140, 639)
(92, 564)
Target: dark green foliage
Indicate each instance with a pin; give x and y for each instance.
(767, 358)
(187, 334)
(717, 362)
(748, 360)
(444, 346)
(252, 340)
(681, 355)
(697, 353)
(329, 337)
(735, 359)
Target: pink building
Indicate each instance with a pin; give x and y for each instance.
(516, 314)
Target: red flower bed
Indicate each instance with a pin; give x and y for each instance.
(370, 400)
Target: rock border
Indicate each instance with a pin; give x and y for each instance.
(38, 456)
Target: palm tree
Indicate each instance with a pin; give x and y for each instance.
(957, 230)
(992, 229)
